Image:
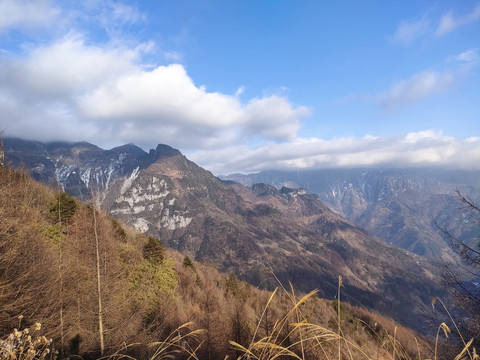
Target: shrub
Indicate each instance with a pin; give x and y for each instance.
(154, 251)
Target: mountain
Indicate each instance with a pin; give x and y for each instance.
(66, 268)
(255, 232)
(401, 206)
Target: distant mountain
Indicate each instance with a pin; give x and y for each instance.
(254, 232)
(400, 206)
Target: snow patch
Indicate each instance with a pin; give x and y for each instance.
(85, 176)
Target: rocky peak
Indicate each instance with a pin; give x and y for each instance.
(288, 231)
(128, 149)
(163, 151)
(292, 192)
(264, 190)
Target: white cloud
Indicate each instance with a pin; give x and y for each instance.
(63, 69)
(172, 56)
(167, 99)
(274, 117)
(425, 83)
(449, 22)
(414, 89)
(124, 13)
(108, 93)
(239, 91)
(74, 89)
(407, 31)
(425, 148)
(470, 56)
(26, 14)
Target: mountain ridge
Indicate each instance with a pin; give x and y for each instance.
(48, 241)
(401, 206)
(252, 232)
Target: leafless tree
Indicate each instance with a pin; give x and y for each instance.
(466, 293)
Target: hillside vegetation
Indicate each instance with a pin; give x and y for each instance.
(76, 276)
(246, 231)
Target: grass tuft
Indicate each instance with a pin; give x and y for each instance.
(27, 344)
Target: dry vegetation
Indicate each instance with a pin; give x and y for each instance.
(98, 289)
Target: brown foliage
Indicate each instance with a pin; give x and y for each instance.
(48, 274)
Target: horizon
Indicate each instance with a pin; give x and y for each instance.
(225, 176)
(247, 86)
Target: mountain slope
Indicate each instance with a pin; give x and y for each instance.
(251, 232)
(400, 206)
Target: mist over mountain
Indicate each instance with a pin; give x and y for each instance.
(254, 231)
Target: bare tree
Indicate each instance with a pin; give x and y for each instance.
(99, 284)
(463, 278)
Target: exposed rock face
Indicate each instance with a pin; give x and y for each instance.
(400, 206)
(249, 231)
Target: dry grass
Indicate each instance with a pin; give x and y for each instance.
(291, 336)
(27, 344)
(303, 340)
(176, 344)
(259, 325)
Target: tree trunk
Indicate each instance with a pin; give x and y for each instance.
(100, 319)
(60, 263)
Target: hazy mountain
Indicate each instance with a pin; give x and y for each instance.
(400, 206)
(249, 231)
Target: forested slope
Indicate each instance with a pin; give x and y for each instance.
(96, 287)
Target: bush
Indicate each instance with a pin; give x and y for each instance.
(154, 251)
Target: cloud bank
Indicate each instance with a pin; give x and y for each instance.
(106, 92)
(426, 148)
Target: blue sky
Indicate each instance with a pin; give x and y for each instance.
(249, 85)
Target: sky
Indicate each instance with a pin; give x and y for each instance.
(249, 85)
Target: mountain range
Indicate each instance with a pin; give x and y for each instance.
(405, 207)
(259, 232)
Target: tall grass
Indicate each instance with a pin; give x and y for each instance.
(176, 344)
(27, 344)
(316, 341)
(292, 336)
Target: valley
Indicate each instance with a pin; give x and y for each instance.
(254, 232)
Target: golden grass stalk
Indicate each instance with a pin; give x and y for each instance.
(418, 348)
(310, 335)
(26, 345)
(175, 344)
(435, 299)
(272, 345)
(446, 331)
(465, 349)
